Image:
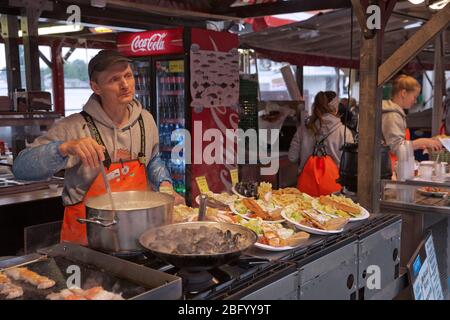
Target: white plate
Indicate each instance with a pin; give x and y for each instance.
(270, 248)
(365, 214)
(233, 209)
(238, 194)
(310, 229)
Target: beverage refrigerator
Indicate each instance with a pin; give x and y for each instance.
(161, 62)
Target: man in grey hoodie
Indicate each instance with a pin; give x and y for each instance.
(113, 127)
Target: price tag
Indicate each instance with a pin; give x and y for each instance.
(166, 189)
(234, 176)
(202, 184)
(176, 66)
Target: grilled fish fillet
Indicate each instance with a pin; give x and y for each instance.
(31, 277)
(8, 288)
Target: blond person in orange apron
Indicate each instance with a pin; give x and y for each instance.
(405, 90)
(113, 128)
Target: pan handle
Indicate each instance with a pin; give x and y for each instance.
(202, 208)
(98, 221)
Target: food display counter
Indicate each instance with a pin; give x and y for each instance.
(331, 266)
(424, 206)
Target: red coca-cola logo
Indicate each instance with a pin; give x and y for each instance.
(153, 43)
(146, 43)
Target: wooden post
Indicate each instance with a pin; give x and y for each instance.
(29, 26)
(10, 27)
(369, 146)
(439, 84)
(58, 77)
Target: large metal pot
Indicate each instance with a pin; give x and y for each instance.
(136, 211)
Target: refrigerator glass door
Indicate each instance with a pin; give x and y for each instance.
(171, 117)
(141, 71)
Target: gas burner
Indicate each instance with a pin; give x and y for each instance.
(194, 282)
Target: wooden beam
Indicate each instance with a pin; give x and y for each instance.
(58, 77)
(369, 145)
(29, 26)
(10, 27)
(282, 7)
(68, 54)
(439, 84)
(359, 7)
(169, 12)
(414, 45)
(44, 58)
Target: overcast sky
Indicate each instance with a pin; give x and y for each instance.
(82, 54)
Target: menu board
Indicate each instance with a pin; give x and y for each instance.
(424, 273)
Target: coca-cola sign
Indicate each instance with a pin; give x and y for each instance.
(151, 42)
(154, 43)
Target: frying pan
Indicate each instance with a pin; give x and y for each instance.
(198, 262)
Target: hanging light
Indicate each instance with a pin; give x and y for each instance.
(57, 29)
(438, 5)
(416, 1)
(101, 30)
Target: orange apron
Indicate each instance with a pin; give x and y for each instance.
(392, 155)
(122, 176)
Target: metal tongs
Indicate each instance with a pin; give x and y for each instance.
(40, 258)
(203, 199)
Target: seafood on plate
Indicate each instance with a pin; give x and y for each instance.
(222, 197)
(258, 208)
(183, 213)
(8, 288)
(301, 199)
(314, 219)
(274, 234)
(24, 274)
(265, 191)
(338, 206)
(75, 293)
(289, 190)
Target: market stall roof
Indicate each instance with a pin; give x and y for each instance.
(325, 38)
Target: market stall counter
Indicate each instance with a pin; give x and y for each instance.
(424, 206)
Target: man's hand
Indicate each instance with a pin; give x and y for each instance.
(178, 198)
(87, 149)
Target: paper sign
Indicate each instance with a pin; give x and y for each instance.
(176, 66)
(202, 184)
(445, 142)
(234, 177)
(166, 189)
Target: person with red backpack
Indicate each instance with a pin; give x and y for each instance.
(317, 147)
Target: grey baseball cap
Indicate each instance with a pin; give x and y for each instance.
(105, 59)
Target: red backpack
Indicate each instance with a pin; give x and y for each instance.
(320, 172)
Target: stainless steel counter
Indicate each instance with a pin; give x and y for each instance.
(23, 197)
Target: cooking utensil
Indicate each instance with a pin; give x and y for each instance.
(197, 262)
(108, 191)
(136, 211)
(41, 258)
(202, 208)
